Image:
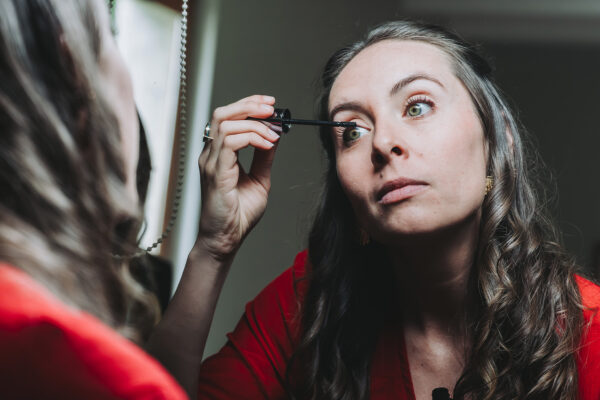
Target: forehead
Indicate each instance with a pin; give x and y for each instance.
(382, 64)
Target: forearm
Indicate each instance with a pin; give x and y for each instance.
(232, 203)
(179, 338)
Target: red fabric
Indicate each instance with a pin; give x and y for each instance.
(51, 351)
(252, 364)
(588, 361)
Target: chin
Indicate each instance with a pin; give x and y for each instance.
(423, 226)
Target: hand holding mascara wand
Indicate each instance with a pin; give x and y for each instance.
(283, 117)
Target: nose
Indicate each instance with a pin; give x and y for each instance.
(387, 143)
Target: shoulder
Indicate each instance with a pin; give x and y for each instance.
(590, 298)
(257, 353)
(272, 318)
(67, 352)
(278, 304)
(288, 287)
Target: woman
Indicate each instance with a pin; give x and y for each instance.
(68, 156)
(431, 262)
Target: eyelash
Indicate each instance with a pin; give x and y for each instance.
(418, 99)
(409, 103)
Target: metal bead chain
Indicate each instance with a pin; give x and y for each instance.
(182, 135)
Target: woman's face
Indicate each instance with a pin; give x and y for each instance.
(416, 164)
(120, 91)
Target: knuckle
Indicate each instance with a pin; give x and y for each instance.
(257, 140)
(228, 142)
(218, 114)
(209, 170)
(222, 126)
(264, 130)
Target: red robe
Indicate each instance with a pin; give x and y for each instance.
(252, 364)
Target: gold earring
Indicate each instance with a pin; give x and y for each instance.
(489, 184)
(363, 237)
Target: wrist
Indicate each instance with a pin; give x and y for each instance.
(210, 256)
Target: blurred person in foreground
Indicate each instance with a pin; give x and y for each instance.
(70, 311)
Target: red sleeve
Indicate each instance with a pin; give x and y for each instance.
(50, 351)
(252, 364)
(588, 361)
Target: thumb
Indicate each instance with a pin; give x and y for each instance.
(262, 161)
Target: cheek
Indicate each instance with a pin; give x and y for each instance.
(353, 179)
(465, 160)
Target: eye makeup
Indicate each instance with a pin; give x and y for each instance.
(414, 106)
(283, 117)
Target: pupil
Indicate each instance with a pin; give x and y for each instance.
(414, 110)
(351, 134)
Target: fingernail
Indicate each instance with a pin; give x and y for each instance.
(269, 143)
(269, 98)
(267, 107)
(273, 135)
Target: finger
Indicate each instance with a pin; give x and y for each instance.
(229, 127)
(233, 143)
(235, 127)
(204, 154)
(241, 110)
(235, 111)
(260, 98)
(260, 169)
(255, 105)
(205, 151)
(277, 128)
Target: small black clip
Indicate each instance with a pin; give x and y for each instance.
(440, 393)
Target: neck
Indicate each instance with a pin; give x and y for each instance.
(432, 274)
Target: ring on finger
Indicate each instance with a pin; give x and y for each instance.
(206, 137)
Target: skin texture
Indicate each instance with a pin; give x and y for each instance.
(417, 121)
(442, 147)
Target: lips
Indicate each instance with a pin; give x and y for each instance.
(398, 190)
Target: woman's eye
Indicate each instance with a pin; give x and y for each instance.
(352, 134)
(418, 109)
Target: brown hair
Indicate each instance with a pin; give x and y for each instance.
(528, 315)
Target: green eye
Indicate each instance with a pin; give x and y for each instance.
(352, 134)
(418, 109)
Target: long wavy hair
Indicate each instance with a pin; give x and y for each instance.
(527, 317)
(64, 208)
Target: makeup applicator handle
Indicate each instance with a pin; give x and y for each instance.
(283, 118)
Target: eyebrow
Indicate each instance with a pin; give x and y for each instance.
(401, 84)
(348, 106)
